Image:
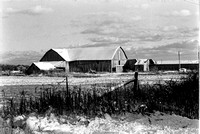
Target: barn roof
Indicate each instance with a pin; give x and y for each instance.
(177, 62)
(143, 61)
(63, 53)
(58, 63)
(44, 65)
(89, 53)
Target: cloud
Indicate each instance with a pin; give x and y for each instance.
(19, 57)
(137, 6)
(102, 23)
(11, 0)
(145, 6)
(173, 32)
(181, 13)
(178, 46)
(108, 41)
(108, 24)
(153, 37)
(111, 28)
(188, 32)
(37, 10)
(197, 13)
(91, 31)
(168, 51)
(129, 33)
(136, 18)
(102, 26)
(170, 28)
(10, 10)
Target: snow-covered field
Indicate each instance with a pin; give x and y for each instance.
(157, 123)
(103, 78)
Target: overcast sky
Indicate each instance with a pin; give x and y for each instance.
(144, 28)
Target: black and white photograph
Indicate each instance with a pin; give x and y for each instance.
(99, 66)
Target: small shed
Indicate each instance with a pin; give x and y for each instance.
(38, 67)
(145, 65)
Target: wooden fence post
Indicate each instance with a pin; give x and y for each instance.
(67, 85)
(136, 82)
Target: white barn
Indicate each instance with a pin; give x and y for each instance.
(100, 59)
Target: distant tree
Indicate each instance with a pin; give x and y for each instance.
(5, 67)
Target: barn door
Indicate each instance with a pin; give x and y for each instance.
(119, 58)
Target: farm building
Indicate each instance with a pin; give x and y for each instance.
(129, 65)
(41, 67)
(174, 65)
(100, 59)
(145, 65)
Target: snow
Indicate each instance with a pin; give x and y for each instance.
(160, 124)
(33, 123)
(98, 78)
(44, 65)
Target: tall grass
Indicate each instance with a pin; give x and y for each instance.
(179, 97)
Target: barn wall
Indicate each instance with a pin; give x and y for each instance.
(190, 66)
(139, 67)
(85, 66)
(66, 64)
(153, 67)
(119, 58)
(146, 66)
(165, 67)
(52, 56)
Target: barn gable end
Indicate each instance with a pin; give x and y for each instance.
(52, 55)
(119, 59)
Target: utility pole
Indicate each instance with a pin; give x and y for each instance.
(198, 4)
(179, 60)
